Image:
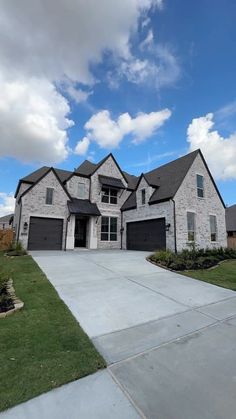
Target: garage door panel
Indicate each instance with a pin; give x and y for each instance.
(146, 235)
(45, 233)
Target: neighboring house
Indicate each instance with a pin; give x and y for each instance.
(231, 226)
(101, 206)
(6, 222)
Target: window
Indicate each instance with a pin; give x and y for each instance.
(191, 226)
(49, 196)
(81, 190)
(200, 186)
(109, 229)
(143, 196)
(109, 196)
(213, 228)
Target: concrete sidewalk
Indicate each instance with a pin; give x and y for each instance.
(169, 340)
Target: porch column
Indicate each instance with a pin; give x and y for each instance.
(92, 233)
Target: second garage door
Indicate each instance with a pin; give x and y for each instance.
(45, 233)
(146, 235)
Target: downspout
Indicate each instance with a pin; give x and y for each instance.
(121, 232)
(175, 240)
(67, 220)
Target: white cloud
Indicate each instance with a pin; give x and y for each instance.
(148, 41)
(44, 44)
(33, 121)
(219, 152)
(7, 203)
(82, 146)
(109, 133)
(159, 69)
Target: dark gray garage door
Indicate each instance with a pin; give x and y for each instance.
(45, 234)
(146, 235)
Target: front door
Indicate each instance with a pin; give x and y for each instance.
(80, 232)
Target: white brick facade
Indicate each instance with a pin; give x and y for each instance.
(186, 200)
(174, 211)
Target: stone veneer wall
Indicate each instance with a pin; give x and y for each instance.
(108, 168)
(33, 204)
(22, 189)
(186, 200)
(73, 186)
(145, 212)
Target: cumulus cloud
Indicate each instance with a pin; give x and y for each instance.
(82, 146)
(7, 203)
(33, 121)
(108, 133)
(219, 152)
(44, 44)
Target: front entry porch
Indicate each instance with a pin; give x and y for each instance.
(82, 224)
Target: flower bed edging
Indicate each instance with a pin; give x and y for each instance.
(18, 304)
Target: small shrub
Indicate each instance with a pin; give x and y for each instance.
(16, 249)
(193, 258)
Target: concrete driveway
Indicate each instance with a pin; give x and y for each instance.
(170, 341)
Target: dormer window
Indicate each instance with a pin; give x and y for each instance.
(109, 196)
(143, 196)
(200, 186)
(49, 196)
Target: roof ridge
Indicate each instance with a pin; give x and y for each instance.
(173, 161)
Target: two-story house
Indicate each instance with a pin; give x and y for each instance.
(101, 206)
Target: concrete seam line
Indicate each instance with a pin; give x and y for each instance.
(157, 292)
(126, 393)
(164, 344)
(145, 323)
(218, 301)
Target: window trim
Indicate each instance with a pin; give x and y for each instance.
(81, 197)
(109, 232)
(143, 196)
(203, 186)
(109, 195)
(191, 231)
(52, 189)
(216, 230)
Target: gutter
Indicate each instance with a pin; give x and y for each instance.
(174, 224)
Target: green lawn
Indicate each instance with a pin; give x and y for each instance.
(223, 275)
(42, 346)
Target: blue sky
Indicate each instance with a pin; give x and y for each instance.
(148, 80)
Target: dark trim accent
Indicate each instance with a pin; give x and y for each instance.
(208, 170)
(159, 201)
(174, 213)
(45, 174)
(128, 209)
(104, 160)
(75, 174)
(19, 185)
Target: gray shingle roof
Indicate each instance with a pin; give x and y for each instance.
(37, 174)
(169, 177)
(130, 202)
(132, 180)
(86, 168)
(82, 207)
(230, 214)
(111, 182)
(6, 218)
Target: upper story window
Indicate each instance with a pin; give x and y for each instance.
(49, 196)
(109, 196)
(200, 186)
(143, 196)
(191, 226)
(213, 228)
(81, 190)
